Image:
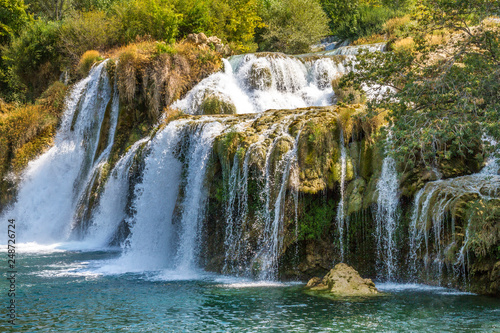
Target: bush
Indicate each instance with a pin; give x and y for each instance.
(14, 18)
(291, 26)
(152, 18)
(33, 59)
(88, 59)
(356, 18)
(347, 95)
(88, 31)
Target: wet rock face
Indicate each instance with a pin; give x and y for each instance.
(260, 77)
(343, 280)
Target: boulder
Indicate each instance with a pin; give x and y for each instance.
(214, 40)
(343, 280)
(202, 38)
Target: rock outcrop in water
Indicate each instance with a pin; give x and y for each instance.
(343, 280)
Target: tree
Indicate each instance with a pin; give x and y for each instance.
(13, 17)
(445, 94)
(291, 26)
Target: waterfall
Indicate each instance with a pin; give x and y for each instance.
(274, 219)
(257, 82)
(193, 205)
(112, 206)
(53, 183)
(341, 218)
(386, 219)
(354, 50)
(433, 220)
(154, 203)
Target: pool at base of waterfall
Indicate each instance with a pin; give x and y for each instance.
(61, 290)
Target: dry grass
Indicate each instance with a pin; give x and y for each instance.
(87, 60)
(403, 45)
(158, 74)
(395, 26)
(372, 39)
(27, 130)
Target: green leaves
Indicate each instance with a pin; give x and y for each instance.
(446, 95)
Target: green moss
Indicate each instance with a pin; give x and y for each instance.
(217, 105)
(318, 214)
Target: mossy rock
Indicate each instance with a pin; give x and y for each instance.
(343, 280)
(355, 194)
(217, 105)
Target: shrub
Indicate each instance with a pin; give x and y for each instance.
(152, 18)
(347, 95)
(14, 18)
(88, 59)
(33, 59)
(87, 31)
(291, 26)
(217, 105)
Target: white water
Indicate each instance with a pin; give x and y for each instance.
(387, 219)
(52, 184)
(112, 206)
(341, 219)
(156, 196)
(193, 206)
(428, 224)
(292, 84)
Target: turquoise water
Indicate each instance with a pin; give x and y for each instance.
(67, 292)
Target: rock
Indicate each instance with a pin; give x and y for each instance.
(202, 38)
(219, 48)
(214, 40)
(343, 280)
(217, 105)
(260, 77)
(192, 38)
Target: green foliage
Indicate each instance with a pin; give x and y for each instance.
(484, 228)
(147, 18)
(291, 26)
(359, 18)
(440, 105)
(316, 218)
(217, 105)
(235, 22)
(33, 59)
(87, 31)
(13, 19)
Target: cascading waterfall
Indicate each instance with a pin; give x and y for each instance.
(386, 218)
(112, 206)
(193, 205)
(433, 220)
(341, 218)
(254, 83)
(59, 175)
(279, 182)
(273, 231)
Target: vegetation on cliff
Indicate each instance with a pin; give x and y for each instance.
(444, 87)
